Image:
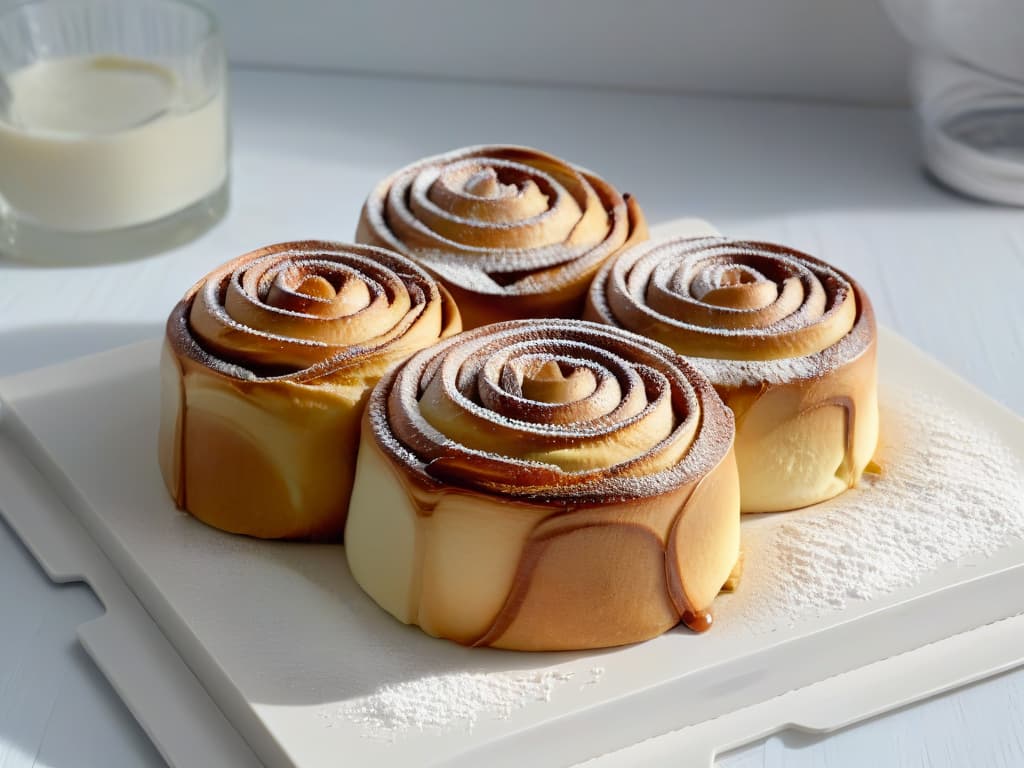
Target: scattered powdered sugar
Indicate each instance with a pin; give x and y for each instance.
(596, 673)
(737, 373)
(949, 489)
(458, 700)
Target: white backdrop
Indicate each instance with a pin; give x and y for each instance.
(842, 50)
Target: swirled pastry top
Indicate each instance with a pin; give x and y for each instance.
(745, 311)
(310, 312)
(503, 221)
(551, 411)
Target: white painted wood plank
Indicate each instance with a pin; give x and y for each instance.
(56, 709)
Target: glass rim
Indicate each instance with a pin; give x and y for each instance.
(212, 22)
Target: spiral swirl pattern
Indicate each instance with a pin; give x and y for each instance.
(503, 222)
(310, 311)
(267, 364)
(780, 334)
(567, 440)
(556, 410)
(721, 298)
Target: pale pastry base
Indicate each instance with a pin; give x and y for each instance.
(483, 570)
(450, 571)
(794, 444)
(268, 459)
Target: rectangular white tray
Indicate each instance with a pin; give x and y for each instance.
(280, 637)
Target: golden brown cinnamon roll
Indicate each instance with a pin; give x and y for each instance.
(511, 231)
(788, 342)
(544, 485)
(267, 364)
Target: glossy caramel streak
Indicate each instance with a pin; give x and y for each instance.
(512, 231)
(849, 406)
(647, 565)
(587, 586)
(708, 508)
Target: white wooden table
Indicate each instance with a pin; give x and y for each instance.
(841, 182)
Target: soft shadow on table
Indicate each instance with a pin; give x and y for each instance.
(23, 349)
(381, 651)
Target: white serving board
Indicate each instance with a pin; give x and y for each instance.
(280, 637)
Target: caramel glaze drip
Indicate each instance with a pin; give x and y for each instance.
(425, 498)
(849, 407)
(698, 622)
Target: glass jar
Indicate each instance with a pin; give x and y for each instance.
(113, 128)
(967, 82)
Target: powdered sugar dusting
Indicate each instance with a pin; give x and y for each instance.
(421, 211)
(950, 489)
(458, 700)
(737, 373)
(659, 290)
(696, 422)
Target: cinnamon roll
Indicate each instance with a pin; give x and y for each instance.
(267, 364)
(788, 341)
(545, 485)
(511, 231)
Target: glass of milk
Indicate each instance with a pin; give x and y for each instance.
(113, 128)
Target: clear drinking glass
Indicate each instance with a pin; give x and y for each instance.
(968, 89)
(113, 128)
